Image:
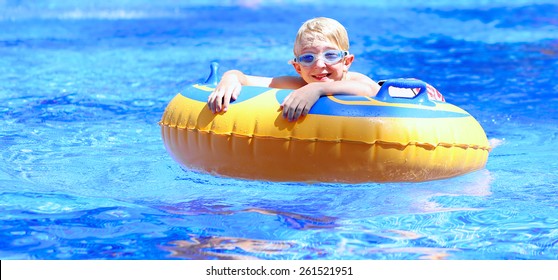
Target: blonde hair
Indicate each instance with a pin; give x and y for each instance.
(326, 29)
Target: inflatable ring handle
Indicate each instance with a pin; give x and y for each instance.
(421, 97)
(213, 78)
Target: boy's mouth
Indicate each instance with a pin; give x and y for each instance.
(321, 77)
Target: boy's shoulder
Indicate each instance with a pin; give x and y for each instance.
(356, 76)
(287, 82)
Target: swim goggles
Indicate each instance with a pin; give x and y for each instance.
(328, 57)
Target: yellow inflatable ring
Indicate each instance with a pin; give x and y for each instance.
(344, 138)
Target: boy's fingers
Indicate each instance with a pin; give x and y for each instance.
(286, 110)
(210, 99)
(215, 99)
(227, 99)
(220, 99)
(218, 102)
(298, 112)
(305, 111)
(285, 101)
(236, 92)
(292, 113)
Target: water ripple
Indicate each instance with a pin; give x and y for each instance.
(227, 248)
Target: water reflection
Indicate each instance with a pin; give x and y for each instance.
(380, 221)
(225, 248)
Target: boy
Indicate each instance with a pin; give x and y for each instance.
(322, 60)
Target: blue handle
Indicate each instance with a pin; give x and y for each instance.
(213, 78)
(421, 97)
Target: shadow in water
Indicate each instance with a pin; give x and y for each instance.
(225, 248)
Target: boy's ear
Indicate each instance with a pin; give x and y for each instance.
(297, 67)
(349, 60)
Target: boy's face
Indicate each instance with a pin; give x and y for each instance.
(320, 71)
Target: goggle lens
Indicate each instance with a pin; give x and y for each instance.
(329, 57)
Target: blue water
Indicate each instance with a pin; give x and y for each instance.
(84, 173)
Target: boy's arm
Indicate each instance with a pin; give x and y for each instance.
(299, 102)
(232, 81)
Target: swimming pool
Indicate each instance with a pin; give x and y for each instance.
(84, 174)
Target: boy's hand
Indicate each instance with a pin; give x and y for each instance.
(228, 89)
(299, 102)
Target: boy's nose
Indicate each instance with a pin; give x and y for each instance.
(320, 63)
